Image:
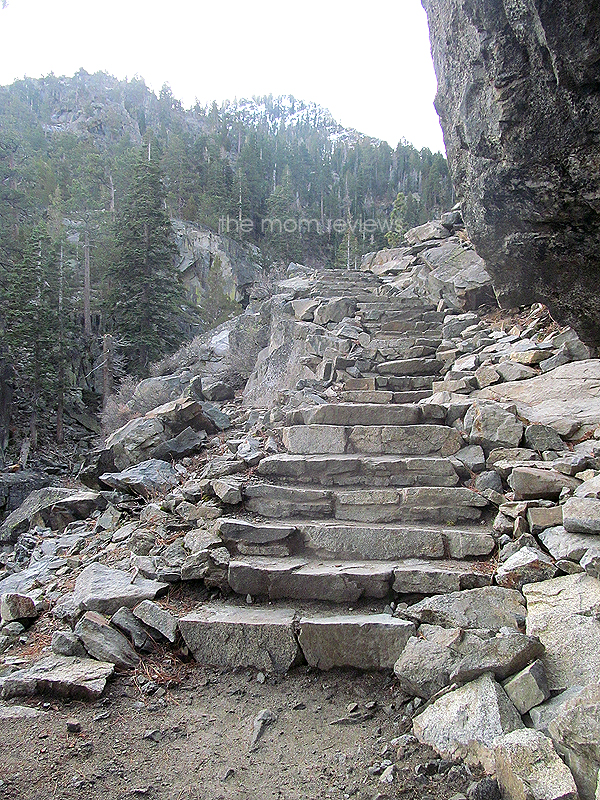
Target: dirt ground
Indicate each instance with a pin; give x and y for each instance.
(333, 737)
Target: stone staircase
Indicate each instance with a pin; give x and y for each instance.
(364, 506)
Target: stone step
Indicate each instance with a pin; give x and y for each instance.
(404, 383)
(362, 641)
(339, 581)
(349, 414)
(383, 397)
(331, 539)
(360, 470)
(443, 505)
(408, 440)
(411, 366)
(396, 327)
(391, 383)
(275, 640)
(390, 542)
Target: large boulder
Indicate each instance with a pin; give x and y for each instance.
(490, 425)
(566, 398)
(53, 506)
(529, 768)
(456, 274)
(563, 614)
(139, 439)
(479, 712)
(576, 734)
(150, 477)
(518, 103)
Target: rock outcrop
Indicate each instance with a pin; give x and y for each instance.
(519, 103)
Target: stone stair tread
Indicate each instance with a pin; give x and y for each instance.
(342, 581)
(349, 414)
(382, 396)
(421, 439)
(333, 538)
(389, 541)
(346, 468)
(449, 504)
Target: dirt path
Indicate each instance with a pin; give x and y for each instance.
(192, 742)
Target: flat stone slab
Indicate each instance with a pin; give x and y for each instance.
(422, 577)
(10, 713)
(409, 440)
(562, 612)
(415, 440)
(361, 414)
(61, 676)
(410, 366)
(366, 641)
(283, 502)
(489, 607)
(373, 541)
(370, 470)
(237, 530)
(393, 542)
(433, 504)
(105, 589)
(231, 637)
(310, 579)
(306, 439)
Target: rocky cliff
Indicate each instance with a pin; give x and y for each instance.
(236, 266)
(519, 104)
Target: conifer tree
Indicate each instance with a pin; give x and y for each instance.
(145, 297)
(31, 320)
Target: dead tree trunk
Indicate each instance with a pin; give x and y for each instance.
(6, 394)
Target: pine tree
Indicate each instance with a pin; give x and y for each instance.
(397, 222)
(31, 320)
(145, 297)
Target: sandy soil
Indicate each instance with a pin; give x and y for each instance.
(190, 740)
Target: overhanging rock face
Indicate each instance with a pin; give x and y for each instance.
(519, 103)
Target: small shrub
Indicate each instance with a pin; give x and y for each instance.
(116, 413)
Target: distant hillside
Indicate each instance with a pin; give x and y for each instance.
(251, 160)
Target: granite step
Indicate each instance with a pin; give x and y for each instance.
(443, 505)
(388, 542)
(275, 640)
(349, 414)
(383, 397)
(334, 539)
(408, 440)
(404, 383)
(360, 470)
(341, 581)
(411, 366)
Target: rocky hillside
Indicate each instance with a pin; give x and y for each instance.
(407, 483)
(519, 105)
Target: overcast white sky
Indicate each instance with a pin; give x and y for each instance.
(368, 62)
